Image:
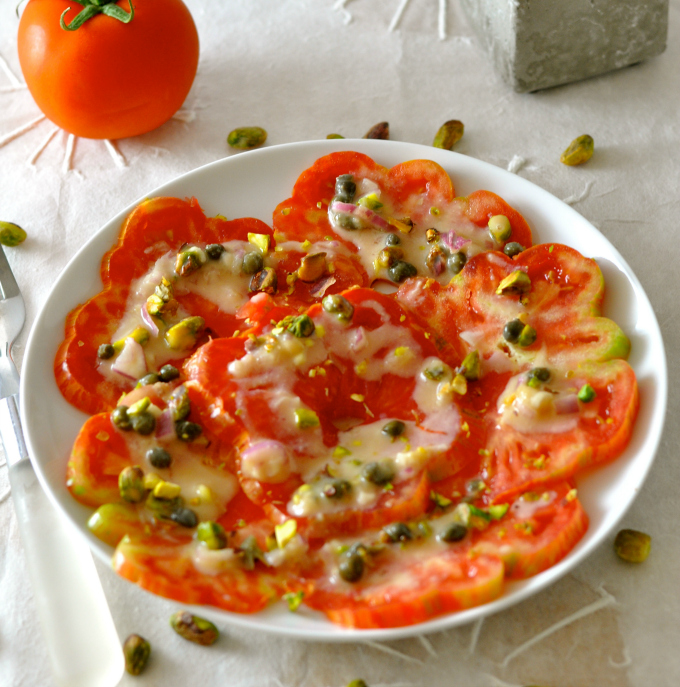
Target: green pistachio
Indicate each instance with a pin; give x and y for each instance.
(247, 137)
(312, 267)
(586, 394)
(527, 336)
(301, 326)
(139, 334)
(264, 281)
(112, 521)
(449, 134)
(306, 418)
(11, 234)
(179, 404)
(470, 368)
(212, 535)
(516, 282)
(161, 301)
(183, 335)
(499, 228)
(250, 552)
(580, 150)
(380, 130)
(331, 136)
(136, 651)
(632, 546)
(194, 628)
(131, 484)
(189, 259)
(163, 508)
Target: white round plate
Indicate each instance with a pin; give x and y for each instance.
(252, 184)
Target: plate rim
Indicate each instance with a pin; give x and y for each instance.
(535, 194)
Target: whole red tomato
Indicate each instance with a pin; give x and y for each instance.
(108, 79)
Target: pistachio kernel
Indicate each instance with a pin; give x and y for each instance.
(212, 535)
(131, 484)
(194, 628)
(264, 281)
(136, 651)
(11, 234)
(517, 282)
(580, 150)
(380, 130)
(246, 137)
(499, 228)
(632, 546)
(449, 134)
(312, 267)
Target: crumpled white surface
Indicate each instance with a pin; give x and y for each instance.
(303, 69)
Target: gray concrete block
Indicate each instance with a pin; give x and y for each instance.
(536, 44)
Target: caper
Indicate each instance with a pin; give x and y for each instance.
(513, 248)
(106, 351)
(512, 330)
(187, 431)
(401, 270)
(379, 473)
(212, 535)
(396, 532)
(149, 379)
(159, 457)
(449, 134)
(179, 404)
(136, 651)
(454, 531)
(580, 150)
(11, 234)
(349, 222)
(537, 375)
(214, 250)
(456, 261)
(351, 567)
(246, 137)
(264, 281)
(345, 188)
(120, 418)
(394, 428)
(336, 489)
(193, 628)
(131, 484)
(339, 306)
(167, 373)
(143, 423)
(252, 262)
(184, 517)
(392, 240)
(632, 546)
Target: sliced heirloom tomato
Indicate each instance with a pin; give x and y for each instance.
(349, 377)
(153, 228)
(538, 530)
(407, 585)
(407, 214)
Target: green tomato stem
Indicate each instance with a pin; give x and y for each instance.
(94, 7)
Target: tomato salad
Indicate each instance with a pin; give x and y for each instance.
(376, 408)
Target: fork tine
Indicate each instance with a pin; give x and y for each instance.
(8, 284)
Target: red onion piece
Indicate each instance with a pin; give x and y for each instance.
(266, 461)
(165, 425)
(319, 288)
(565, 405)
(148, 321)
(348, 208)
(131, 362)
(359, 341)
(452, 241)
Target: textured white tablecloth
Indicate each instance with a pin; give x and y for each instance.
(300, 69)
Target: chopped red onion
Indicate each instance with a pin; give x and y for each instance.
(453, 241)
(165, 425)
(564, 405)
(148, 321)
(359, 342)
(319, 288)
(131, 362)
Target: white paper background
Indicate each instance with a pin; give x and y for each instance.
(295, 68)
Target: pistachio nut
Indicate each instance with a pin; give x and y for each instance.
(580, 150)
(136, 651)
(247, 137)
(194, 628)
(11, 234)
(449, 134)
(380, 130)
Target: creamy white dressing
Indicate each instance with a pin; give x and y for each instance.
(370, 240)
(533, 410)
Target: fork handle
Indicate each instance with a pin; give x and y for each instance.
(83, 646)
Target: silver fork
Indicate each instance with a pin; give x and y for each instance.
(81, 638)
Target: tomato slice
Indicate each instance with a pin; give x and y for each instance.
(163, 566)
(538, 530)
(408, 585)
(150, 231)
(520, 460)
